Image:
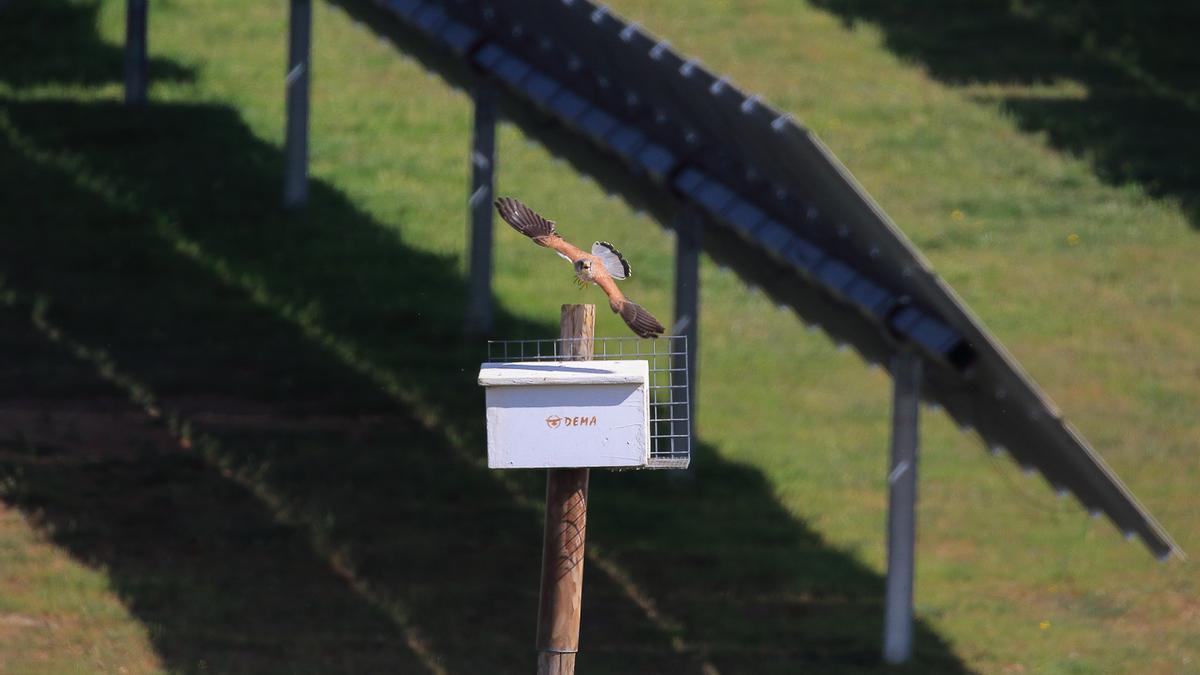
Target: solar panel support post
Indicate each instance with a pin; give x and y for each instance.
(688, 228)
(902, 500)
(136, 62)
(479, 207)
(295, 153)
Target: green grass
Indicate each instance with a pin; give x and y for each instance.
(237, 440)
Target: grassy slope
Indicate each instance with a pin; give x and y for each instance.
(1109, 326)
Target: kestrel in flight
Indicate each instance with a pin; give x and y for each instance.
(602, 266)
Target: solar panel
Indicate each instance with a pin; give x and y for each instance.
(823, 245)
(657, 160)
(459, 37)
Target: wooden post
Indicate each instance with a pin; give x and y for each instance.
(295, 151)
(136, 63)
(902, 482)
(479, 205)
(566, 528)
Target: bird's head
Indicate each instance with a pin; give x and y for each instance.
(583, 265)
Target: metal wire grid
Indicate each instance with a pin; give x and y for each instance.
(670, 392)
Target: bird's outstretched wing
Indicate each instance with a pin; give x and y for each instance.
(524, 219)
(635, 316)
(541, 230)
(642, 322)
(612, 260)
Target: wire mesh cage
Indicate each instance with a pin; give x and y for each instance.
(670, 389)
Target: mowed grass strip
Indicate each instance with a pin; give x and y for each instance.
(1091, 285)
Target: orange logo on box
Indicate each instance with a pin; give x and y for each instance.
(554, 421)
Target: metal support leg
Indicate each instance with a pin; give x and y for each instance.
(479, 205)
(687, 295)
(136, 64)
(902, 482)
(295, 171)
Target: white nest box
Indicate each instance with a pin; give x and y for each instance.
(561, 414)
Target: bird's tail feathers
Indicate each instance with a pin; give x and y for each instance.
(641, 321)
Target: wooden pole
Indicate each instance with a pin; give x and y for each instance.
(566, 528)
(902, 519)
(295, 150)
(483, 162)
(136, 62)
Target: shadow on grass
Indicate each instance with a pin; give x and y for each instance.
(333, 514)
(1136, 120)
(47, 42)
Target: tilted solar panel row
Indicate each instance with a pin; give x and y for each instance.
(773, 186)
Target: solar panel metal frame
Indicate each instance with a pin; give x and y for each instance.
(812, 204)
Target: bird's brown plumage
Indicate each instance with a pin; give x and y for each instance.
(589, 267)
